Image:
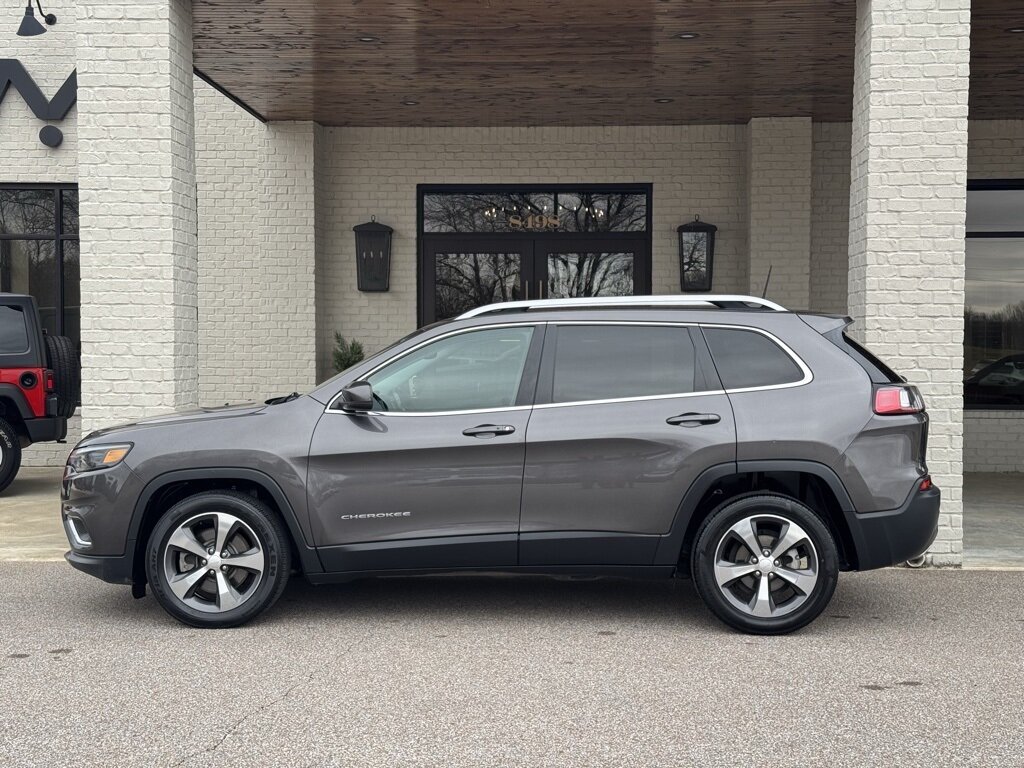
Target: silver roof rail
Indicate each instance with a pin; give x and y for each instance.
(711, 301)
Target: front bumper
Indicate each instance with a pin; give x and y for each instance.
(887, 538)
(116, 569)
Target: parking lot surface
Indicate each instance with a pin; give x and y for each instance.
(905, 668)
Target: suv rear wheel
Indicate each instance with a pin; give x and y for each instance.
(218, 559)
(765, 564)
(10, 454)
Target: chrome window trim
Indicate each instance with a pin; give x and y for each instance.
(431, 340)
(808, 376)
(637, 399)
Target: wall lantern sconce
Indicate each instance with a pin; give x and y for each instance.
(373, 255)
(30, 25)
(696, 255)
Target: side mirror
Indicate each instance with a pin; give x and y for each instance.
(357, 397)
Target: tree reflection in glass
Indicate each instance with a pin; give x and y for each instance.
(464, 281)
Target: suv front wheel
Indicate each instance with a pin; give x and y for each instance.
(218, 559)
(765, 564)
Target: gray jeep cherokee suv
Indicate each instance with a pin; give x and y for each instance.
(759, 451)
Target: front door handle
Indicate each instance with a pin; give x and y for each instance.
(693, 419)
(489, 430)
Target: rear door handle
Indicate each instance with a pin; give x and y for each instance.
(693, 419)
(489, 430)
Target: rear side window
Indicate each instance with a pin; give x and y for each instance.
(602, 362)
(13, 332)
(750, 359)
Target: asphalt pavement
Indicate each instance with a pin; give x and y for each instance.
(908, 668)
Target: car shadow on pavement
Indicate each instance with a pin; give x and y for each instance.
(672, 605)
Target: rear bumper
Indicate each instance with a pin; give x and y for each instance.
(45, 429)
(895, 536)
(113, 569)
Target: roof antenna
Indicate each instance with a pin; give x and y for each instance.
(764, 293)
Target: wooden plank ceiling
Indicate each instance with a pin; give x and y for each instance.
(547, 62)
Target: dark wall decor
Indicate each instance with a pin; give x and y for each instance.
(373, 255)
(13, 73)
(696, 255)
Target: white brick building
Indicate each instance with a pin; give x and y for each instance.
(217, 257)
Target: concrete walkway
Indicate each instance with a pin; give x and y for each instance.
(30, 527)
(993, 520)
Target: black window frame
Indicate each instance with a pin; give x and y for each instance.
(58, 237)
(991, 185)
(642, 273)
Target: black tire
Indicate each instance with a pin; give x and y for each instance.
(62, 359)
(272, 539)
(726, 601)
(10, 454)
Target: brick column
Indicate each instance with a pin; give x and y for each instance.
(907, 209)
(136, 172)
(285, 357)
(779, 152)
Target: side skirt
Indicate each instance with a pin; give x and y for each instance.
(619, 571)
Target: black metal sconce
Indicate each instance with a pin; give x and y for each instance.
(696, 255)
(373, 255)
(30, 25)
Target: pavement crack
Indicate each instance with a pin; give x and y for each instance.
(259, 710)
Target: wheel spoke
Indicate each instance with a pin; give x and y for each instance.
(251, 561)
(225, 526)
(726, 573)
(185, 584)
(184, 539)
(746, 530)
(227, 596)
(761, 605)
(804, 581)
(791, 536)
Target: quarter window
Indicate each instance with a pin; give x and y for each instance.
(476, 370)
(750, 359)
(13, 332)
(602, 362)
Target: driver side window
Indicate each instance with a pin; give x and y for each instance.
(474, 370)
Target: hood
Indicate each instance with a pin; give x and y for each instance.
(185, 417)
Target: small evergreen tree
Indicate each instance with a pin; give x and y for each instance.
(346, 353)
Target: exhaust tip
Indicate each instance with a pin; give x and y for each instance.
(917, 562)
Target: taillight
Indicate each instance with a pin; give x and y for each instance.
(926, 483)
(891, 400)
(48, 378)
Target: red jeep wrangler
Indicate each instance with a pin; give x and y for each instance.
(40, 382)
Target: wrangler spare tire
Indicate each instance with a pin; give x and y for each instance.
(62, 359)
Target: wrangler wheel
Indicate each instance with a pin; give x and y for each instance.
(218, 559)
(765, 564)
(10, 454)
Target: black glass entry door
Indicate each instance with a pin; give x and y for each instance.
(462, 272)
(496, 242)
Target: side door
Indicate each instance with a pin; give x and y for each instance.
(627, 416)
(433, 477)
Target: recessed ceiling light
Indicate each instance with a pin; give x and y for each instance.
(663, 101)
(1015, 30)
(409, 103)
(687, 36)
(369, 39)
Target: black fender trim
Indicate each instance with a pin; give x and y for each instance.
(671, 545)
(15, 395)
(307, 554)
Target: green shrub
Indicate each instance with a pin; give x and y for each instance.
(346, 353)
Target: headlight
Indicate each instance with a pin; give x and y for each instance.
(97, 457)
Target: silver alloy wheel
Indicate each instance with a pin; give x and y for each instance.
(766, 566)
(213, 562)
